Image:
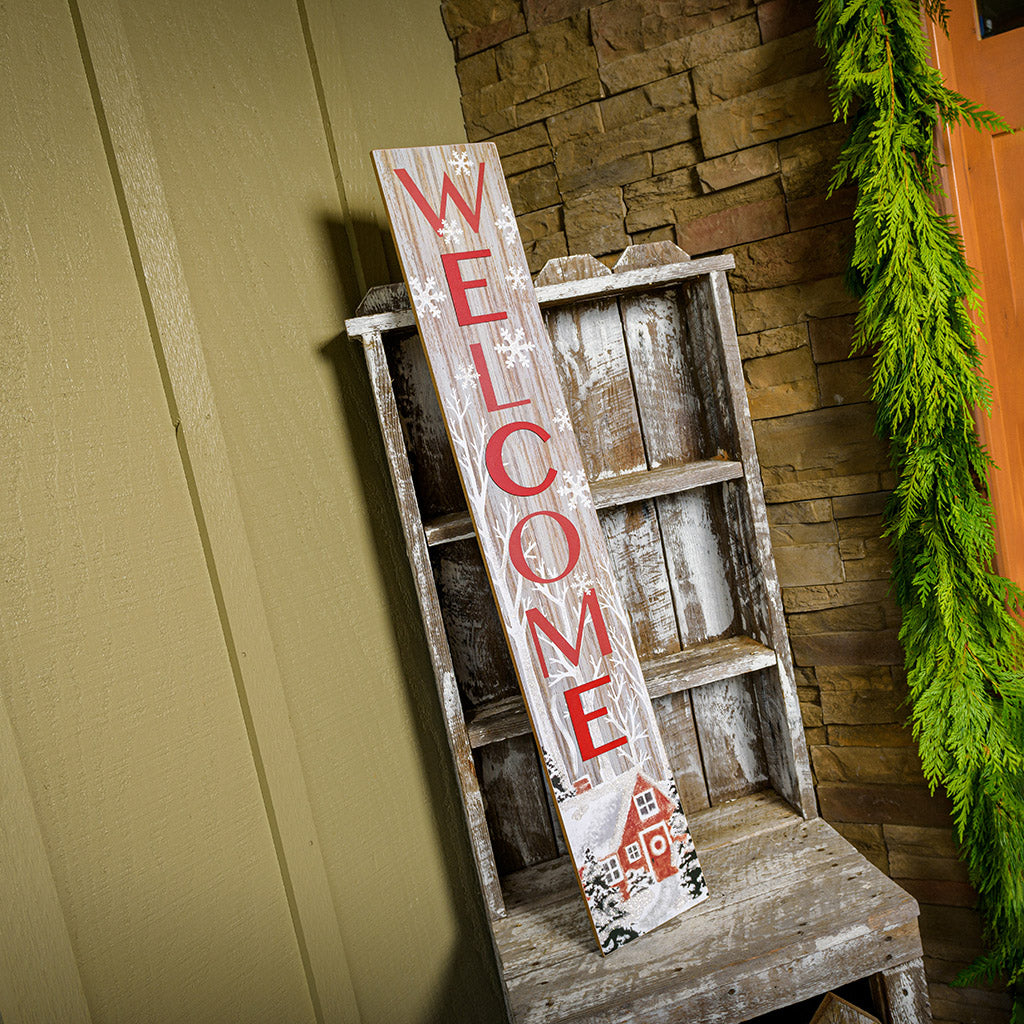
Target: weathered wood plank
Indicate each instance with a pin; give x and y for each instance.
(904, 992)
(515, 798)
(765, 939)
(676, 672)
(570, 291)
(778, 706)
(836, 1010)
(613, 491)
(430, 610)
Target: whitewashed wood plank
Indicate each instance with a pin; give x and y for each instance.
(613, 491)
(495, 377)
(904, 989)
(666, 674)
(782, 725)
(836, 1010)
(440, 656)
(765, 940)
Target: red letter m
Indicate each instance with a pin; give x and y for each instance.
(537, 621)
(448, 191)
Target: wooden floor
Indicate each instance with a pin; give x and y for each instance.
(776, 929)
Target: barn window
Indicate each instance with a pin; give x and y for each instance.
(612, 871)
(633, 852)
(645, 803)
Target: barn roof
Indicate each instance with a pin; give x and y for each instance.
(597, 817)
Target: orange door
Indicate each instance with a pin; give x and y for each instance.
(986, 188)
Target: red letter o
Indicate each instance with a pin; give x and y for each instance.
(496, 465)
(515, 547)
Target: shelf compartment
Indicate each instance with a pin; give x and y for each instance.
(671, 673)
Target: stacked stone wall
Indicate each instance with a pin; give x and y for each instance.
(707, 123)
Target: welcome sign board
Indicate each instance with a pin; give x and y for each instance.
(539, 533)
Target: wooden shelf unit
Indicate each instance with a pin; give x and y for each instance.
(650, 368)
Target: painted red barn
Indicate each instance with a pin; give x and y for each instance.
(627, 825)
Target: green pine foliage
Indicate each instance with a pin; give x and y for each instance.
(964, 646)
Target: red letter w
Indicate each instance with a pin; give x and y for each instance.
(537, 621)
(448, 191)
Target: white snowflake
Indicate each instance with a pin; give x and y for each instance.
(460, 165)
(450, 231)
(575, 489)
(562, 420)
(426, 297)
(506, 223)
(517, 278)
(515, 347)
(466, 377)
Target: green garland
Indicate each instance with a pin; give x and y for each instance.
(964, 647)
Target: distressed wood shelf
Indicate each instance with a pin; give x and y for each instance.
(612, 492)
(698, 665)
(649, 365)
(754, 942)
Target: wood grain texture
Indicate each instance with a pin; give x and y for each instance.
(736, 956)
(835, 1010)
(904, 991)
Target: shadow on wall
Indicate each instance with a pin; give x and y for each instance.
(471, 990)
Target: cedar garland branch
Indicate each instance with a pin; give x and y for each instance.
(963, 644)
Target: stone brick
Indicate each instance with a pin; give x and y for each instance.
(815, 736)
(819, 511)
(651, 201)
(594, 222)
(543, 236)
(881, 734)
(873, 804)
(662, 234)
(776, 307)
(462, 16)
(577, 158)
(868, 840)
(969, 1006)
(539, 251)
(863, 526)
(567, 38)
(543, 12)
(809, 159)
(623, 27)
(802, 599)
(737, 168)
(866, 559)
(791, 106)
(733, 226)
(854, 505)
(564, 71)
(792, 258)
(636, 104)
(529, 83)
(814, 210)
(669, 93)
(877, 647)
(556, 102)
(756, 68)
(927, 865)
(579, 122)
(950, 933)
(839, 440)
(859, 677)
(659, 62)
(821, 487)
(830, 338)
(477, 71)
(845, 382)
(671, 158)
(781, 384)
(486, 36)
(623, 171)
(534, 190)
(779, 18)
(808, 563)
(517, 163)
(872, 765)
(862, 617)
(942, 891)
(522, 139)
(772, 341)
(811, 715)
(862, 707)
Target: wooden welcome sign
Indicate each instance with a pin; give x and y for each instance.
(540, 537)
